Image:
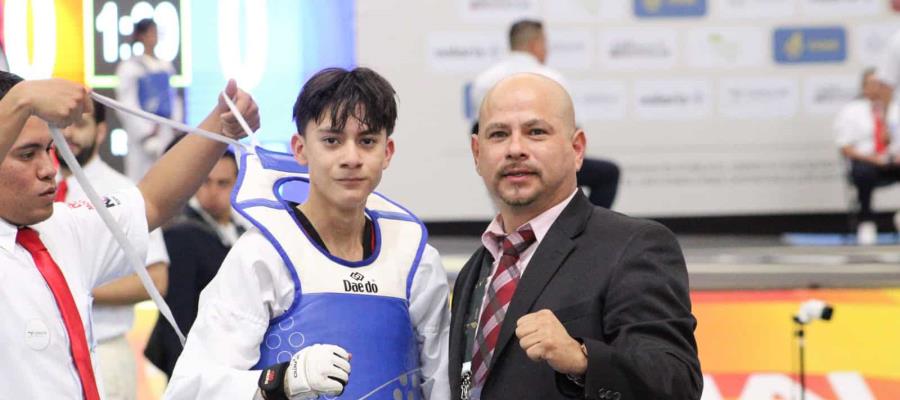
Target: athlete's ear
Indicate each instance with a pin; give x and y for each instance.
(298, 146)
(388, 153)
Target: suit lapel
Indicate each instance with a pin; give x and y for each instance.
(547, 259)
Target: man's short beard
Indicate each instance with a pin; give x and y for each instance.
(513, 199)
(518, 202)
(82, 157)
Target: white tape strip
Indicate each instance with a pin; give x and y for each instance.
(173, 124)
(253, 141)
(137, 264)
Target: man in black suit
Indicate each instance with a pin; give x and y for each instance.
(564, 299)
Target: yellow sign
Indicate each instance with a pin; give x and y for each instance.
(44, 38)
(748, 349)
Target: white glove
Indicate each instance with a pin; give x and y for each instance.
(316, 370)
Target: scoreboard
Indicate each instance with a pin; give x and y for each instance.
(108, 29)
(43, 38)
(269, 46)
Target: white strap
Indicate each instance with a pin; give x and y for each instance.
(137, 264)
(174, 124)
(253, 141)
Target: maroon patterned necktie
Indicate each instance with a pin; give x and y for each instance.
(498, 295)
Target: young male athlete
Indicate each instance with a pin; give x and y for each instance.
(333, 277)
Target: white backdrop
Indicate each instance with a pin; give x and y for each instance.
(711, 107)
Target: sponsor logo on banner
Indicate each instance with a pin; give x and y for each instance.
(752, 9)
(669, 8)
(840, 8)
(638, 48)
(809, 45)
(758, 97)
(870, 40)
(468, 52)
(827, 94)
(726, 47)
(498, 10)
(598, 100)
(676, 99)
(469, 111)
(570, 48)
(585, 11)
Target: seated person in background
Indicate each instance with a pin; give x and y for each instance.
(198, 241)
(863, 132)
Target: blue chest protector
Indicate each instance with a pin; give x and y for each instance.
(361, 306)
(154, 92)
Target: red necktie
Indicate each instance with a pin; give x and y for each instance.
(499, 294)
(880, 137)
(61, 191)
(28, 238)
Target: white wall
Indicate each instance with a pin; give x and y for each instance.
(696, 110)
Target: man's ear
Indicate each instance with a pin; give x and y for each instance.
(475, 150)
(298, 147)
(388, 153)
(102, 133)
(579, 144)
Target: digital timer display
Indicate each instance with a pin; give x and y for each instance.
(108, 29)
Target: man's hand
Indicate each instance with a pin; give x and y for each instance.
(320, 369)
(57, 101)
(245, 105)
(543, 337)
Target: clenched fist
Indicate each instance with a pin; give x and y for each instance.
(543, 337)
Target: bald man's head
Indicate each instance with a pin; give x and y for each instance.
(542, 92)
(528, 149)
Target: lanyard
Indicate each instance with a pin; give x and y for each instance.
(473, 310)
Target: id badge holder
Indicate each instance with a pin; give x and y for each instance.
(466, 383)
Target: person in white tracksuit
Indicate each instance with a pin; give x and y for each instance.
(144, 84)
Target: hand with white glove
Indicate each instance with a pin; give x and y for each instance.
(320, 369)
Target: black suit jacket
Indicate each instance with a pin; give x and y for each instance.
(619, 284)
